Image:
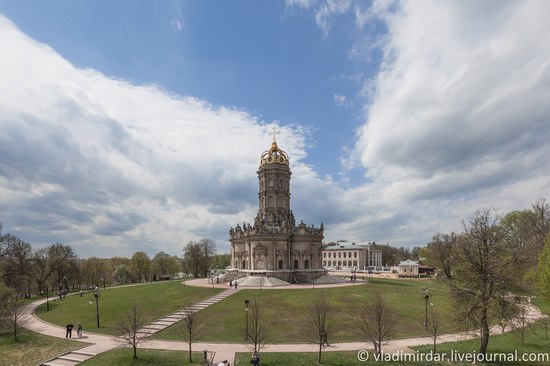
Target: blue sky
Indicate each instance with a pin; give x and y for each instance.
(138, 125)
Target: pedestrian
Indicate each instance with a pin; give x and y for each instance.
(235, 283)
(80, 293)
(230, 284)
(325, 338)
(255, 359)
(79, 330)
(69, 332)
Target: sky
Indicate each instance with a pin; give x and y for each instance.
(138, 125)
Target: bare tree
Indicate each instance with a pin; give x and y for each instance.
(258, 331)
(190, 329)
(318, 323)
(434, 325)
(130, 328)
(378, 323)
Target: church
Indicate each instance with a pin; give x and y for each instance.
(273, 246)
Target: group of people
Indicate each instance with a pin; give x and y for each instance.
(70, 327)
(233, 283)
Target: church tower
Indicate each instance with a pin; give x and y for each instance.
(274, 190)
(274, 246)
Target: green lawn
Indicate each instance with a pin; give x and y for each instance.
(535, 342)
(156, 300)
(32, 348)
(123, 357)
(285, 310)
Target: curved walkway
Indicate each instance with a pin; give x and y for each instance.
(226, 351)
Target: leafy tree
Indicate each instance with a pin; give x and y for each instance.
(94, 270)
(484, 272)
(40, 268)
(193, 258)
(319, 324)
(140, 265)
(378, 322)
(64, 264)
(439, 252)
(16, 261)
(543, 273)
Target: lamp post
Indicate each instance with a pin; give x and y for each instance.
(426, 296)
(96, 295)
(47, 299)
(246, 312)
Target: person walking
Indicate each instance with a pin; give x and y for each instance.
(79, 330)
(235, 283)
(69, 332)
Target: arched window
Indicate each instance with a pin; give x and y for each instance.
(270, 201)
(280, 202)
(280, 264)
(355, 263)
(295, 264)
(306, 264)
(324, 263)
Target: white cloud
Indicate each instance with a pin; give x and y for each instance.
(341, 100)
(107, 166)
(176, 25)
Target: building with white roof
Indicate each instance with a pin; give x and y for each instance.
(358, 256)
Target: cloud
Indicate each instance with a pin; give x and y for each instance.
(341, 100)
(106, 165)
(176, 25)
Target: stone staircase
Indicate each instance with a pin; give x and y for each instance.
(165, 322)
(69, 359)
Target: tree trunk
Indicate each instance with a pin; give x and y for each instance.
(135, 352)
(320, 350)
(484, 332)
(190, 357)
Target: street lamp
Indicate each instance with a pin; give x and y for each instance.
(96, 295)
(426, 296)
(246, 312)
(47, 299)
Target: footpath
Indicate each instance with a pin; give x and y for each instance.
(98, 343)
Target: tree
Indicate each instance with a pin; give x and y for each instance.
(318, 324)
(130, 328)
(258, 331)
(484, 272)
(140, 265)
(64, 263)
(378, 322)
(190, 329)
(16, 260)
(11, 314)
(208, 249)
(439, 252)
(193, 258)
(434, 325)
(543, 271)
(40, 269)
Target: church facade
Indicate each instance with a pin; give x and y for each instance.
(273, 245)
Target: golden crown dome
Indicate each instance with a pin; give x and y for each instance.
(274, 156)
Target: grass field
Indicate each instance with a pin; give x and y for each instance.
(285, 310)
(32, 348)
(156, 300)
(123, 357)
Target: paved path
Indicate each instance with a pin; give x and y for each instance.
(94, 343)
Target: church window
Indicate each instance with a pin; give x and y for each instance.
(270, 201)
(280, 202)
(280, 264)
(295, 264)
(306, 264)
